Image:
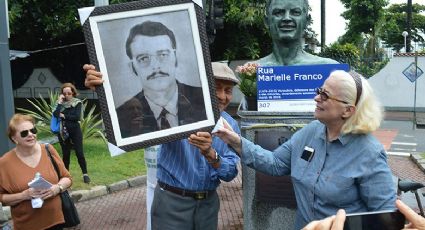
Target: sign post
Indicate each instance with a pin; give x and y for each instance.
(416, 84)
(6, 99)
(413, 72)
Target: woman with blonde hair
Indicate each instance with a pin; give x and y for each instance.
(334, 162)
(19, 166)
(69, 110)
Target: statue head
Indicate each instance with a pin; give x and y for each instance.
(286, 20)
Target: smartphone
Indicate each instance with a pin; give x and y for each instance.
(389, 220)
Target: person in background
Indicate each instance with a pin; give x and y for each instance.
(190, 170)
(336, 222)
(334, 162)
(69, 110)
(25, 160)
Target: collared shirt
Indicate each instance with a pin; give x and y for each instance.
(350, 172)
(181, 164)
(171, 107)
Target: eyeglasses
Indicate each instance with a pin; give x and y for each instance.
(146, 59)
(325, 96)
(25, 133)
(67, 93)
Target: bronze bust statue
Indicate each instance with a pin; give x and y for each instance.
(287, 20)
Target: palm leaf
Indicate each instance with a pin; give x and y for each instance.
(42, 112)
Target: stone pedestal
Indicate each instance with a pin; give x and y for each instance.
(269, 202)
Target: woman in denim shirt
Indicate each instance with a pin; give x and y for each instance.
(334, 162)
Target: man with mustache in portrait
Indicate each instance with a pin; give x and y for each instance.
(164, 102)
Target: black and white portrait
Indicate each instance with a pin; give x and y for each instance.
(156, 82)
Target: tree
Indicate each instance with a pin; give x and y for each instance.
(245, 35)
(394, 24)
(41, 26)
(364, 17)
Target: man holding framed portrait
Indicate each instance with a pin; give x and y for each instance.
(190, 170)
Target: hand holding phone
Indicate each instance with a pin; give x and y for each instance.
(61, 98)
(389, 220)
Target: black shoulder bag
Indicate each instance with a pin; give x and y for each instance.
(69, 210)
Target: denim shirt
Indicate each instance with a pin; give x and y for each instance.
(181, 164)
(350, 172)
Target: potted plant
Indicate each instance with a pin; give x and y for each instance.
(248, 85)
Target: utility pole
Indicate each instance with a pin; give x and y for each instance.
(416, 85)
(409, 25)
(322, 24)
(7, 106)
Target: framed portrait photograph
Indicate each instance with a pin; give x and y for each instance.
(154, 59)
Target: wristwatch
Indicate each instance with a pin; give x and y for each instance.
(61, 188)
(216, 160)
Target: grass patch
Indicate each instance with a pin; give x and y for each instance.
(42, 134)
(102, 168)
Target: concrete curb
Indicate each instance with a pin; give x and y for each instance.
(419, 161)
(97, 191)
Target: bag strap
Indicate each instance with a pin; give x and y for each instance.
(53, 161)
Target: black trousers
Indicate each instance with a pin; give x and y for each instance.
(75, 140)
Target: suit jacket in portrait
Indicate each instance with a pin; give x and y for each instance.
(136, 117)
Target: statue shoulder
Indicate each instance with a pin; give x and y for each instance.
(268, 60)
(302, 58)
(314, 59)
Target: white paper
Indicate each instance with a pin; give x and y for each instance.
(114, 150)
(220, 125)
(37, 202)
(39, 183)
(85, 13)
(199, 2)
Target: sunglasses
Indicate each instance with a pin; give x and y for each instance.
(25, 133)
(325, 96)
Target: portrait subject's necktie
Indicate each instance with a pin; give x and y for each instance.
(164, 122)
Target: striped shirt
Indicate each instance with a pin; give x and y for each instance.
(181, 164)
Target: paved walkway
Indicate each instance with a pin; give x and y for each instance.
(127, 209)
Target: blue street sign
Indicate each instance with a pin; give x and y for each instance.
(291, 88)
(410, 72)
